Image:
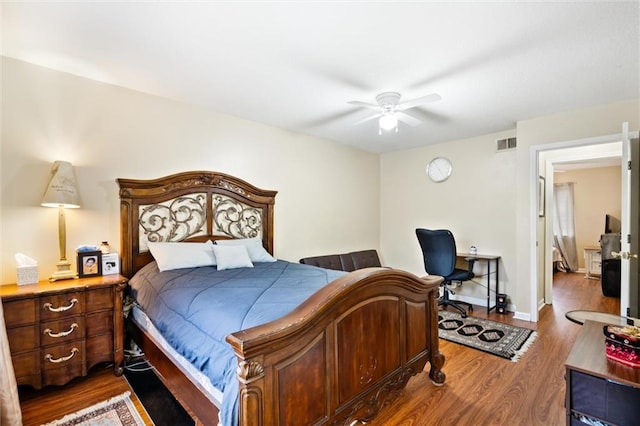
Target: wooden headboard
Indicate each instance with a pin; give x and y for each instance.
(190, 206)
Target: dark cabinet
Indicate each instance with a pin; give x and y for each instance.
(598, 388)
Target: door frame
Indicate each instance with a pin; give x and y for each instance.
(541, 251)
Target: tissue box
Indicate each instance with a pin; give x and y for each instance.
(27, 275)
(110, 264)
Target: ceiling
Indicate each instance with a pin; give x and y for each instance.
(297, 64)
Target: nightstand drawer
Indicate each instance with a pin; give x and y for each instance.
(99, 299)
(99, 349)
(62, 363)
(26, 366)
(20, 312)
(99, 323)
(64, 330)
(23, 338)
(62, 355)
(61, 305)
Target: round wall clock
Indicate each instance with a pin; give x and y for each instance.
(439, 169)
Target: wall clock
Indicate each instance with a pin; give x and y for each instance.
(439, 169)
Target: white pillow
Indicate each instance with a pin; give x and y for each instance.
(231, 257)
(170, 256)
(257, 253)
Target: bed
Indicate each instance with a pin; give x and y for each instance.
(338, 357)
(556, 260)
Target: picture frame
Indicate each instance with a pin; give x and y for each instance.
(89, 264)
(541, 190)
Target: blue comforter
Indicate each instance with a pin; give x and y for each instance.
(196, 308)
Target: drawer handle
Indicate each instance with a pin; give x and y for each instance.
(50, 357)
(50, 307)
(50, 332)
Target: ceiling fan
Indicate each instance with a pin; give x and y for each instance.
(390, 110)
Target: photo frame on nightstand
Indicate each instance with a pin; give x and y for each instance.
(89, 264)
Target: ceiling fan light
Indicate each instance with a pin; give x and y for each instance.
(388, 122)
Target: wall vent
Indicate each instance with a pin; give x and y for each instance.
(505, 144)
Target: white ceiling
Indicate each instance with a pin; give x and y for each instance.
(296, 64)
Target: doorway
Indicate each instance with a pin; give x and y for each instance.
(571, 156)
(596, 188)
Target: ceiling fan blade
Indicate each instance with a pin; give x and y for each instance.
(408, 119)
(327, 119)
(364, 104)
(419, 101)
(427, 115)
(364, 120)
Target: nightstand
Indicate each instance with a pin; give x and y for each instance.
(59, 330)
(592, 262)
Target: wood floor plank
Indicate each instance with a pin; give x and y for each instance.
(485, 389)
(53, 402)
(480, 388)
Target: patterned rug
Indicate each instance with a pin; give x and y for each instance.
(117, 411)
(503, 340)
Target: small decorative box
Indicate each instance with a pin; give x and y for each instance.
(622, 344)
(110, 264)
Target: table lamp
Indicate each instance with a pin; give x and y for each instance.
(62, 192)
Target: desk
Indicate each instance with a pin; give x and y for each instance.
(487, 258)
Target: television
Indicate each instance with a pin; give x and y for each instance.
(611, 224)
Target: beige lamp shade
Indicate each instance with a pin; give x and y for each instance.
(62, 190)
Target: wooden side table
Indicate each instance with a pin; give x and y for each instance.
(59, 330)
(598, 388)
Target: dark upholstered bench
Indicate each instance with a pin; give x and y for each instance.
(346, 261)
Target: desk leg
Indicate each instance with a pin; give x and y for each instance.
(497, 283)
(489, 307)
(489, 286)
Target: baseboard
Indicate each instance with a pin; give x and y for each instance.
(476, 301)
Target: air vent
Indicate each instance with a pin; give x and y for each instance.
(505, 144)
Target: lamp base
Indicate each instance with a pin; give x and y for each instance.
(64, 272)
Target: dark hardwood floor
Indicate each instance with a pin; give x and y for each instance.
(480, 388)
(55, 402)
(483, 389)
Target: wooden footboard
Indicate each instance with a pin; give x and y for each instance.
(343, 354)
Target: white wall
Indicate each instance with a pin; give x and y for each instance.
(489, 201)
(597, 192)
(477, 203)
(327, 193)
(532, 136)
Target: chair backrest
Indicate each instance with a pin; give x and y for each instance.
(438, 250)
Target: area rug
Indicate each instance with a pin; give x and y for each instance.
(503, 340)
(117, 411)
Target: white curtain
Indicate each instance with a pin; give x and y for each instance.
(10, 414)
(564, 226)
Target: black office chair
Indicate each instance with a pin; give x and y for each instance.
(439, 252)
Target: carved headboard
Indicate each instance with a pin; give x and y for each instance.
(190, 206)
